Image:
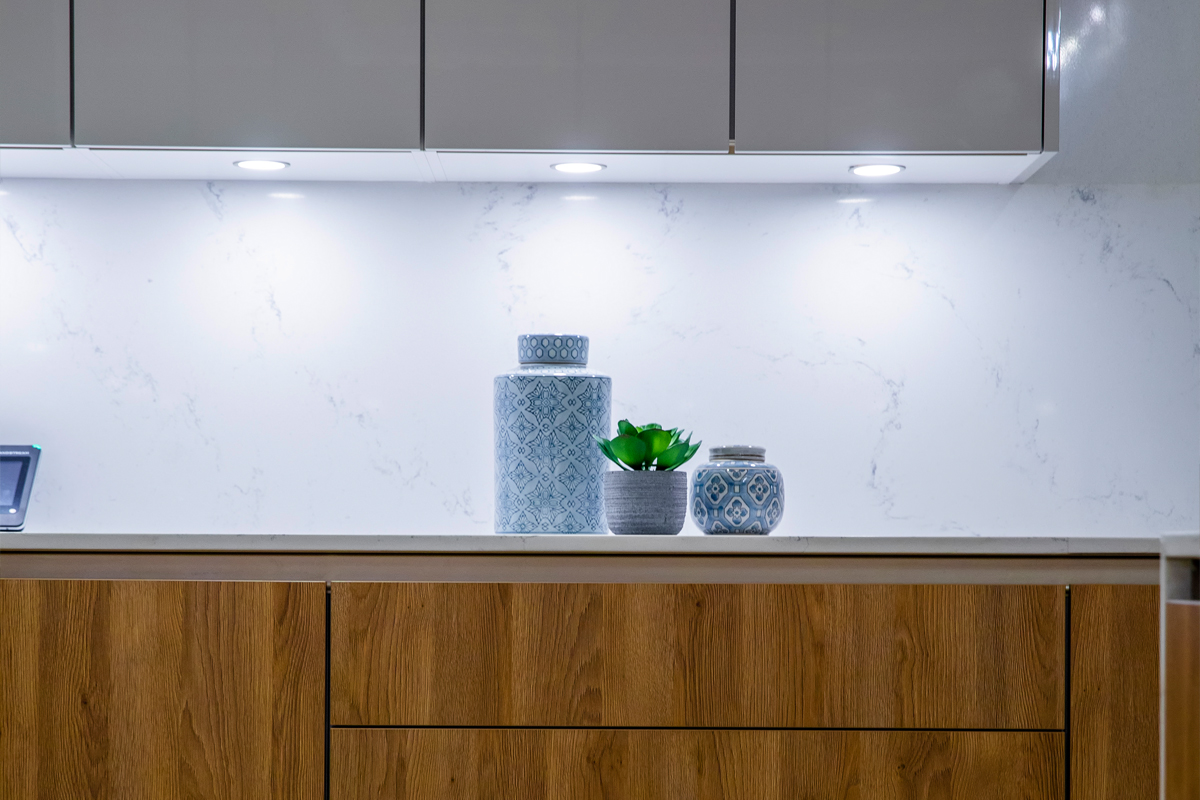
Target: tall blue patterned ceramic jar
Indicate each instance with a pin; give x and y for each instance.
(737, 492)
(548, 469)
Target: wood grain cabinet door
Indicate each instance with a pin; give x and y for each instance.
(1182, 744)
(141, 689)
(437, 764)
(1114, 692)
(669, 655)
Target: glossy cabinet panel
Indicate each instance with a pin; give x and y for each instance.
(553, 75)
(889, 75)
(35, 72)
(248, 73)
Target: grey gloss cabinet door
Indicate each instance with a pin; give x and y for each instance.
(577, 75)
(35, 72)
(889, 75)
(248, 73)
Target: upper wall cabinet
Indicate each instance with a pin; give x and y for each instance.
(248, 73)
(35, 72)
(577, 75)
(889, 75)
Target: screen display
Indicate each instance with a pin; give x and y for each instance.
(12, 474)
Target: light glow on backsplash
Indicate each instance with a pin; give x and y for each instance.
(863, 286)
(981, 360)
(276, 276)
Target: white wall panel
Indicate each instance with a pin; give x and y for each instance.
(298, 356)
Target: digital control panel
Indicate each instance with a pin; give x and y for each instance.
(18, 463)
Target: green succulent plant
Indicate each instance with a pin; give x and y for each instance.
(647, 447)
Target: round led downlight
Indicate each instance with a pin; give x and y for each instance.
(876, 170)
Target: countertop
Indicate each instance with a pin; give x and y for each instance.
(1065, 545)
(1181, 545)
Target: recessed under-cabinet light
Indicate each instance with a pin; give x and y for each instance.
(577, 167)
(262, 166)
(876, 170)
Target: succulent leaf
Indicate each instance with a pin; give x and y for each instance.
(657, 441)
(630, 449)
(647, 447)
(606, 449)
(673, 456)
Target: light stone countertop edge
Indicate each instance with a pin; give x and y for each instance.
(482, 544)
(1181, 544)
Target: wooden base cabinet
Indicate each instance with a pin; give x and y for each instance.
(697, 692)
(432, 764)
(1114, 692)
(1183, 700)
(162, 689)
(697, 656)
(465, 691)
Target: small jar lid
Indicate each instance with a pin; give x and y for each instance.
(552, 348)
(737, 452)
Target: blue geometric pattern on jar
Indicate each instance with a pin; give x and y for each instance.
(737, 497)
(541, 349)
(548, 468)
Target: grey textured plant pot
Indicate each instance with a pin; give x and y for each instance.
(646, 502)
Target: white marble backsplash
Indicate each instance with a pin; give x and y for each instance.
(318, 357)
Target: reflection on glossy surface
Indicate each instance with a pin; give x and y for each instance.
(1130, 110)
(1095, 31)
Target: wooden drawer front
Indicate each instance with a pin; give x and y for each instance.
(1114, 692)
(670, 655)
(429, 764)
(161, 689)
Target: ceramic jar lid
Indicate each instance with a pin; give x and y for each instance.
(737, 452)
(552, 348)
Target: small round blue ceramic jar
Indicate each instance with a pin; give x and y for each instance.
(737, 492)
